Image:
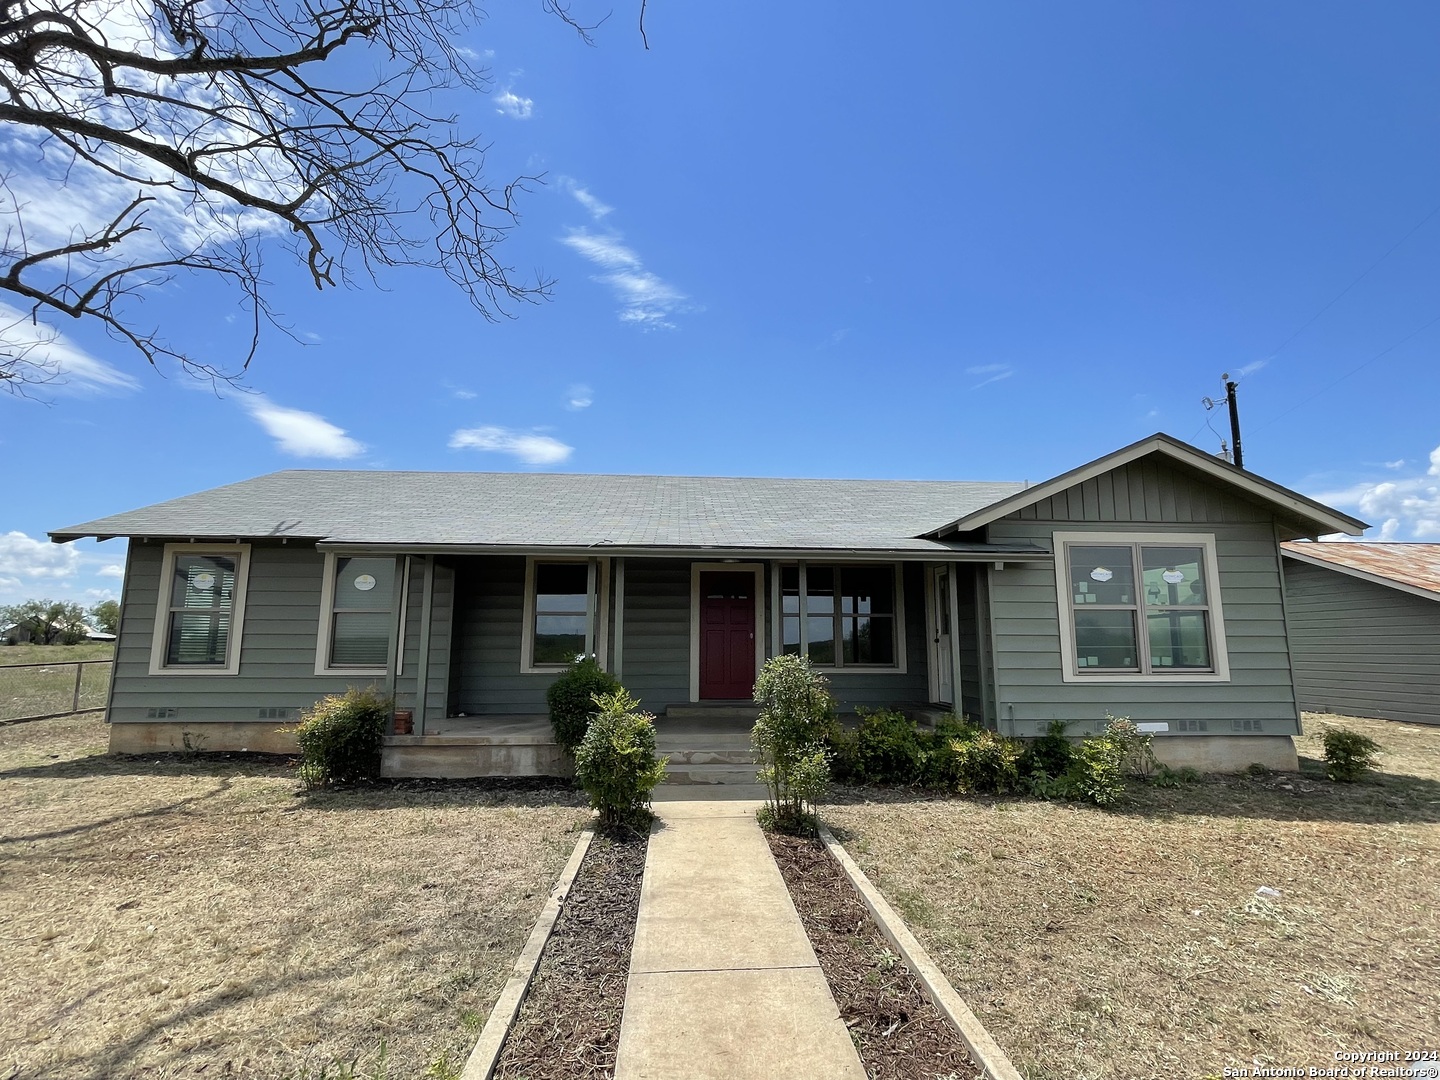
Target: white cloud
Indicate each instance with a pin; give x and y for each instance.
(513, 105)
(531, 448)
(1407, 508)
(593, 206)
(1398, 463)
(579, 396)
(1250, 368)
(57, 359)
(606, 251)
(994, 373)
(645, 299)
(303, 434)
(100, 594)
(113, 570)
(23, 557)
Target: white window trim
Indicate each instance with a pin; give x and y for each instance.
(597, 597)
(758, 569)
(777, 629)
(161, 636)
(1072, 673)
(327, 618)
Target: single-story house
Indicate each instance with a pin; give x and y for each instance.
(1146, 583)
(1365, 628)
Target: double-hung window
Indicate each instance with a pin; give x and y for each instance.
(357, 615)
(841, 616)
(200, 617)
(561, 600)
(1140, 607)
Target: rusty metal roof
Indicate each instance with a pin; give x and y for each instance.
(1412, 567)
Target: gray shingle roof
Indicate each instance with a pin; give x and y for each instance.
(563, 510)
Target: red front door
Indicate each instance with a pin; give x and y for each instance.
(727, 635)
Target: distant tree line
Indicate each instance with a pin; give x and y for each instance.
(55, 622)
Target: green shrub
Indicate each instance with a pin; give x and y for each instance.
(1050, 755)
(939, 767)
(797, 719)
(616, 762)
(1348, 754)
(1097, 774)
(884, 749)
(340, 737)
(571, 698)
(1138, 758)
(986, 763)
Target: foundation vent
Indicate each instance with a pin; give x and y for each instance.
(166, 712)
(1247, 725)
(1192, 725)
(277, 714)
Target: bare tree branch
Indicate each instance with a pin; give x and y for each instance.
(184, 136)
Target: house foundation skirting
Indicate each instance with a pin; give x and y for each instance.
(256, 737)
(1227, 753)
(455, 757)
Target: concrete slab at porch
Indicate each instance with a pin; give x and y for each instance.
(723, 981)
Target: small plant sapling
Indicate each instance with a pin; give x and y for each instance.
(1348, 754)
(797, 715)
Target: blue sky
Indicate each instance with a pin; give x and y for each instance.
(971, 241)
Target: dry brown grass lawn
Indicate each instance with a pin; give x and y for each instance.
(196, 917)
(1132, 944)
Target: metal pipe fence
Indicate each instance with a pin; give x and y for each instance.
(43, 691)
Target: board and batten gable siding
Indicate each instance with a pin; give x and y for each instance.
(1363, 649)
(277, 650)
(1147, 497)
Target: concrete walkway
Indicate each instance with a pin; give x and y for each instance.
(723, 982)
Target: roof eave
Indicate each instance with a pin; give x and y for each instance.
(1326, 519)
(1361, 575)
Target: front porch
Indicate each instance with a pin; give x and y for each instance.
(708, 745)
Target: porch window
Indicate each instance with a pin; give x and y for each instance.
(559, 607)
(358, 616)
(840, 616)
(198, 622)
(1146, 607)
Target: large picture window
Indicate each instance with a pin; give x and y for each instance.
(561, 601)
(359, 615)
(1144, 607)
(199, 619)
(840, 616)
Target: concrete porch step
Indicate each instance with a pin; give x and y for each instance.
(709, 756)
(666, 742)
(708, 793)
(735, 711)
(710, 775)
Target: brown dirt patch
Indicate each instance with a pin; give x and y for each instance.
(1133, 944)
(897, 1031)
(167, 916)
(569, 1025)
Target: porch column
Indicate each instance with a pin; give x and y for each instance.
(617, 660)
(952, 600)
(422, 663)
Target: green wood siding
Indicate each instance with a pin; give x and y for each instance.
(1145, 497)
(277, 653)
(489, 609)
(489, 606)
(1362, 648)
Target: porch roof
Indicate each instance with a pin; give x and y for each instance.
(567, 511)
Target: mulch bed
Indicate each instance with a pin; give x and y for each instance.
(569, 1025)
(897, 1031)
